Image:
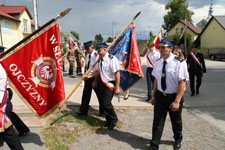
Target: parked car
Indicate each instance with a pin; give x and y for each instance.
(219, 55)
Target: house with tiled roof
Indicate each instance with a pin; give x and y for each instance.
(212, 36)
(193, 30)
(15, 24)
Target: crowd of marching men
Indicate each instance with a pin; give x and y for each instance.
(167, 75)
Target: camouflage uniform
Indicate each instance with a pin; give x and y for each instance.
(71, 59)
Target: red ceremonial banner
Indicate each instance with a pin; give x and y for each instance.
(35, 70)
(135, 60)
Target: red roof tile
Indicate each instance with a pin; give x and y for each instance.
(2, 13)
(195, 29)
(15, 10)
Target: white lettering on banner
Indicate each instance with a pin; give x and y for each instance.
(58, 55)
(27, 86)
(53, 39)
(57, 51)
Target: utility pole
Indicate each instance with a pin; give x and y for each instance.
(1, 32)
(35, 14)
(113, 30)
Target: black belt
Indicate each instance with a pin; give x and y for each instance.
(113, 82)
(166, 94)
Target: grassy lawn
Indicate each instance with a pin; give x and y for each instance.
(65, 127)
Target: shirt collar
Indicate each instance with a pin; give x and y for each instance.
(170, 58)
(104, 57)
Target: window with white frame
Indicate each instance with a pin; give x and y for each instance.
(5, 26)
(25, 25)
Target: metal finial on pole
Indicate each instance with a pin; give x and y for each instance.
(65, 12)
(62, 14)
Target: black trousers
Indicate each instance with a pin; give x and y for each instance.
(12, 140)
(161, 107)
(86, 97)
(192, 81)
(106, 98)
(71, 70)
(17, 122)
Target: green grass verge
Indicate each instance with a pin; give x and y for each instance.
(67, 127)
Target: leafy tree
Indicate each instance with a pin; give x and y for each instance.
(109, 40)
(98, 38)
(177, 9)
(151, 36)
(76, 35)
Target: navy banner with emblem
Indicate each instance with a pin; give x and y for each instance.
(126, 51)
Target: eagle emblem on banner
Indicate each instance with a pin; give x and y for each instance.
(43, 72)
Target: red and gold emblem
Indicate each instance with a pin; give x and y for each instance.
(43, 72)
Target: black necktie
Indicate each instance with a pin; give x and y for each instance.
(101, 63)
(89, 60)
(163, 78)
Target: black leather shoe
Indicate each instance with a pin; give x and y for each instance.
(73, 76)
(177, 146)
(1, 144)
(153, 147)
(112, 125)
(106, 125)
(148, 99)
(197, 92)
(80, 114)
(192, 94)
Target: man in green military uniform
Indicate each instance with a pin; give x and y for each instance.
(71, 59)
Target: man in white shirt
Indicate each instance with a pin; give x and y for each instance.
(151, 56)
(91, 58)
(109, 73)
(171, 75)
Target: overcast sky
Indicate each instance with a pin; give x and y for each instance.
(91, 17)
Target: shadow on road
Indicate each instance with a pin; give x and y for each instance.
(135, 141)
(31, 137)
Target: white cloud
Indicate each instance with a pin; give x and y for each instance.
(202, 13)
(91, 17)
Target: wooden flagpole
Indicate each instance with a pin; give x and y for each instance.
(60, 15)
(184, 30)
(99, 58)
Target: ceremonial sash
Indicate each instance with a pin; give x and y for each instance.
(196, 59)
(4, 120)
(106, 83)
(150, 61)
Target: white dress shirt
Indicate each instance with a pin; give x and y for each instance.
(3, 83)
(152, 56)
(175, 72)
(110, 65)
(93, 59)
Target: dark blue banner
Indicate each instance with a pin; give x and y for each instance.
(121, 50)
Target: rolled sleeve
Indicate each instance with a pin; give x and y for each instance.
(183, 72)
(115, 65)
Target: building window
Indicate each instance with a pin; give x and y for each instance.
(25, 25)
(181, 29)
(5, 26)
(177, 30)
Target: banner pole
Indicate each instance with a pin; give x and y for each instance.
(61, 14)
(99, 58)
